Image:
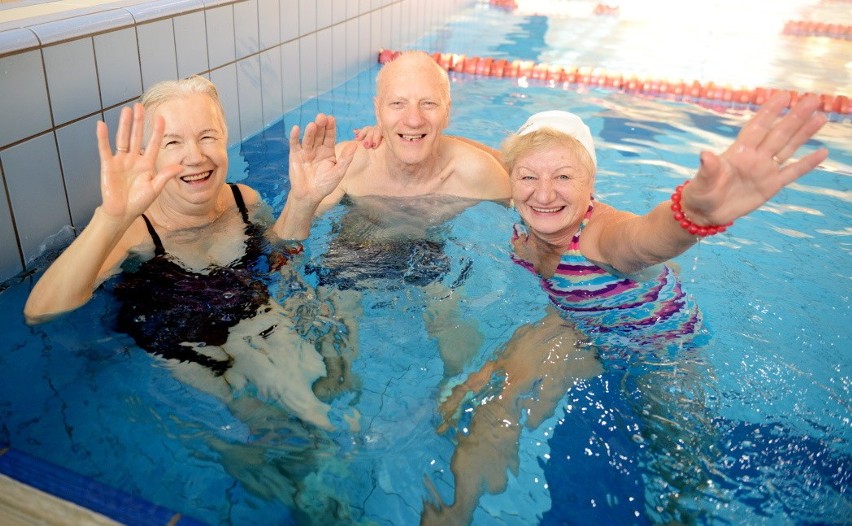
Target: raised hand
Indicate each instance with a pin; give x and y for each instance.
(758, 164)
(130, 181)
(315, 170)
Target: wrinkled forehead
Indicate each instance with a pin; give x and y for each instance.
(546, 152)
(196, 109)
(413, 79)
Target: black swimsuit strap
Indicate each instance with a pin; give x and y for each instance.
(159, 250)
(158, 245)
(238, 197)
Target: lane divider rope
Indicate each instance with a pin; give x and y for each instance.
(601, 78)
(806, 28)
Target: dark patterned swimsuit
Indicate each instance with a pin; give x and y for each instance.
(164, 304)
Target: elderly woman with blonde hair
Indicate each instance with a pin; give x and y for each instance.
(191, 250)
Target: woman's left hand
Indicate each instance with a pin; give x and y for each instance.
(757, 165)
(370, 137)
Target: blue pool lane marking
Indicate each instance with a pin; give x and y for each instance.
(86, 492)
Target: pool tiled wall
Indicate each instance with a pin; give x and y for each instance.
(61, 73)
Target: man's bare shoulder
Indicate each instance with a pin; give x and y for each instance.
(472, 145)
(476, 170)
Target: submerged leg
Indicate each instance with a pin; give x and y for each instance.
(539, 363)
(458, 339)
(337, 340)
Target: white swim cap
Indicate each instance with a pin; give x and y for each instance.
(565, 122)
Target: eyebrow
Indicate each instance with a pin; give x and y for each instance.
(202, 132)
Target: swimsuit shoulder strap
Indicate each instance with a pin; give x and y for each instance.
(574, 246)
(241, 204)
(158, 244)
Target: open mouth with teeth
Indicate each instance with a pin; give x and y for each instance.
(194, 178)
(547, 210)
(411, 137)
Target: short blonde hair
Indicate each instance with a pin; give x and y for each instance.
(516, 145)
(168, 90)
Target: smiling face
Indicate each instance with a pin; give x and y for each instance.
(412, 106)
(551, 187)
(196, 138)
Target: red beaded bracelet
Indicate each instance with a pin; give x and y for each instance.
(686, 224)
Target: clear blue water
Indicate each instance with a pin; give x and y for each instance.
(749, 427)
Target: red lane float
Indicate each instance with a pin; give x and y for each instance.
(505, 4)
(601, 78)
(604, 9)
(806, 28)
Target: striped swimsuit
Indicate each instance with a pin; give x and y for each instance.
(614, 308)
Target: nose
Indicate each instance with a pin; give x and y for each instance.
(413, 116)
(545, 190)
(193, 153)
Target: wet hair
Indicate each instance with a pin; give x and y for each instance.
(427, 62)
(516, 145)
(168, 90)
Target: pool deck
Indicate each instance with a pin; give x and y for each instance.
(22, 505)
(19, 12)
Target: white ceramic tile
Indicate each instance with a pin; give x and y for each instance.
(11, 262)
(308, 66)
(389, 29)
(220, 30)
(71, 79)
(84, 25)
(78, 153)
(339, 10)
(191, 44)
(17, 39)
(324, 15)
(377, 38)
(225, 79)
(338, 55)
(353, 8)
(289, 20)
(162, 9)
(307, 17)
(291, 77)
(272, 86)
(24, 99)
(353, 58)
(250, 100)
(246, 28)
(269, 20)
(36, 192)
(117, 55)
(157, 52)
(325, 60)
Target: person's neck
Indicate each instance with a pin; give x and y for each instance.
(186, 216)
(553, 244)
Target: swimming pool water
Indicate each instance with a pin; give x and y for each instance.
(760, 411)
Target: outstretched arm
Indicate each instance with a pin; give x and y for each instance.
(130, 182)
(727, 186)
(315, 173)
